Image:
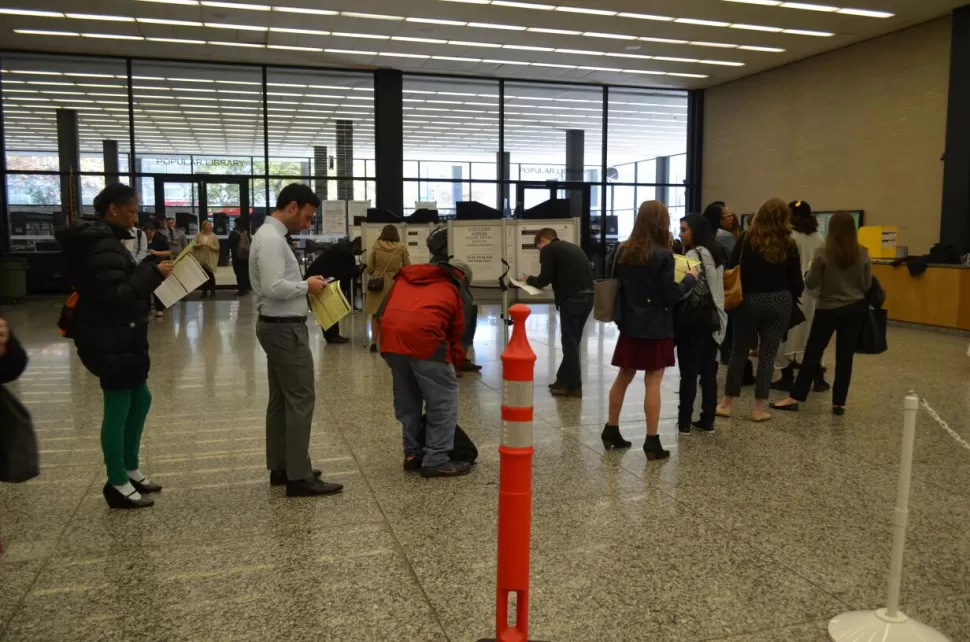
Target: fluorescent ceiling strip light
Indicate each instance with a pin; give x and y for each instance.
(304, 10)
(110, 36)
(580, 52)
(402, 55)
(352, 52)
(227, 25)
(236, 5)
(32, 12)
(610, 69)
(307, 32)
(765, 49)
(809, 32)
(178, 41)
(723, 63)
(644, 16)
(42, 32)
(436, 21)
(221, 43)
(766, 3)
(433, 41)
(527, 48)
(720, 45)
(626, 55)
(456, 59)
(740, 25)
(469, 43)
(367, 36)
(165, 21)
(495, 62)
(523, 5)
(489, 25)
(673, 59)
(561, 32)
(613, 36)
(469, 1)
(687, 76)
(293, 48)
(97, 16)
(594, 12)
(191, 3)
(370, 16)
(702, 23)
(866, 13)
(808, 6)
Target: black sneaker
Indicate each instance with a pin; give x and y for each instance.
(447, 469)
(412, 463)
(278, 477)
(312, 487)
(703, 427)
(560, 391)
(683, 429)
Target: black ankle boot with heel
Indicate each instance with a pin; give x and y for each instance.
(654, 449)
(612, 439)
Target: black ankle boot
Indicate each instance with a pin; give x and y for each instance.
(612, 439)
(654, 449)
(820, 384)
(787, 379)
(116, 500)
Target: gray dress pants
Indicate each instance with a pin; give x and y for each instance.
(289, 413)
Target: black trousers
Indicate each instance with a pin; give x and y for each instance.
(241, 268)
(210, 285)
(846, 323)
(573, 313)
(332, 332)
(697, 358)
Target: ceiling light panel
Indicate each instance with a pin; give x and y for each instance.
(236, 5)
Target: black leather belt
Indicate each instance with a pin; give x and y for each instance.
(282, 319)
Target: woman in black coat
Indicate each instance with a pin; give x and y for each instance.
(110, 330)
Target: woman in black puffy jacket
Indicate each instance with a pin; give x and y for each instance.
(110, 330)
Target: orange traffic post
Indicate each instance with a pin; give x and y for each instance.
(515, 483)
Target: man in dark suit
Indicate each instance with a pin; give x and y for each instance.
(337, 261)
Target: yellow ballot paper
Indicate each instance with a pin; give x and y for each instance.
(683, 265)
(329, 306)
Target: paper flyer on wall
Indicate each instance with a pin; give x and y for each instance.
(683, 265)
(186, 277)
(329, 306)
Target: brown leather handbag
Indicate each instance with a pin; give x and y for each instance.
(732, 284)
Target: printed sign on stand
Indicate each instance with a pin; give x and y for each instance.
(417, 240)
(480, 246)
(334, 215)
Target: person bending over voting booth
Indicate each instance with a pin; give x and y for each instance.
(422, 322)
(438, 246)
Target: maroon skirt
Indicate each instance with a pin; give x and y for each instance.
(643, 354)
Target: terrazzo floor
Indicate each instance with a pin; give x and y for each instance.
(757, 533)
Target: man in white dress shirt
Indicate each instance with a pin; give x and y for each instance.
(281, 302)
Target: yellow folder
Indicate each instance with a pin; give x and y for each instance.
(329, 305)
(682, 265)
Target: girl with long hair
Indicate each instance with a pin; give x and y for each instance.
(806, 237)
(697, 355)
(384, 261)
(771, 280)
(843, 273)
(644, 266)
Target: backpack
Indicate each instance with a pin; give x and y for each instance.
(242, 250)
(464, 449)
(65, 322)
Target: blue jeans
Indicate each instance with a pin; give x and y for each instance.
(425, 387)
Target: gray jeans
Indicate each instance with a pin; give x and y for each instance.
(289, 414)
(432, 385)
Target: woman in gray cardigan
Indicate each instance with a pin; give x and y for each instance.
(842, 272)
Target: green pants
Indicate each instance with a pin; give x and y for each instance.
(124, 420)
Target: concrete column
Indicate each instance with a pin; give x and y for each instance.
(320, 165)
(663, 176)
(110, 151)
(389, 139)
(345, 159)
(456, 188)
(575, 151)
(955, 218)
(503, 168)
(69, 157)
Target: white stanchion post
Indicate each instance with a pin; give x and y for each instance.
(890, 624)
(505, 317)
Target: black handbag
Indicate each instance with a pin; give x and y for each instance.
(18, 443)
(464, 449)
(872, 339)
(376, 283)
(697, 313)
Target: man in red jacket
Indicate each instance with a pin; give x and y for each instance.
(421, 328)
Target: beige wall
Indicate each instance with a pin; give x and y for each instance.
(857, 128)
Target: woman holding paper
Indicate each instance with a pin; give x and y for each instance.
(697, 354)
(110, 330)
(206, 252)
(384, 261)
(644, 266)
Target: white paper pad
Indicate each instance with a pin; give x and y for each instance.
(186, 277)
(525, 287)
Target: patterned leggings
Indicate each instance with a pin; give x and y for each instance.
(764, 315)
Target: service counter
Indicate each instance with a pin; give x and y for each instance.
(939, 296)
